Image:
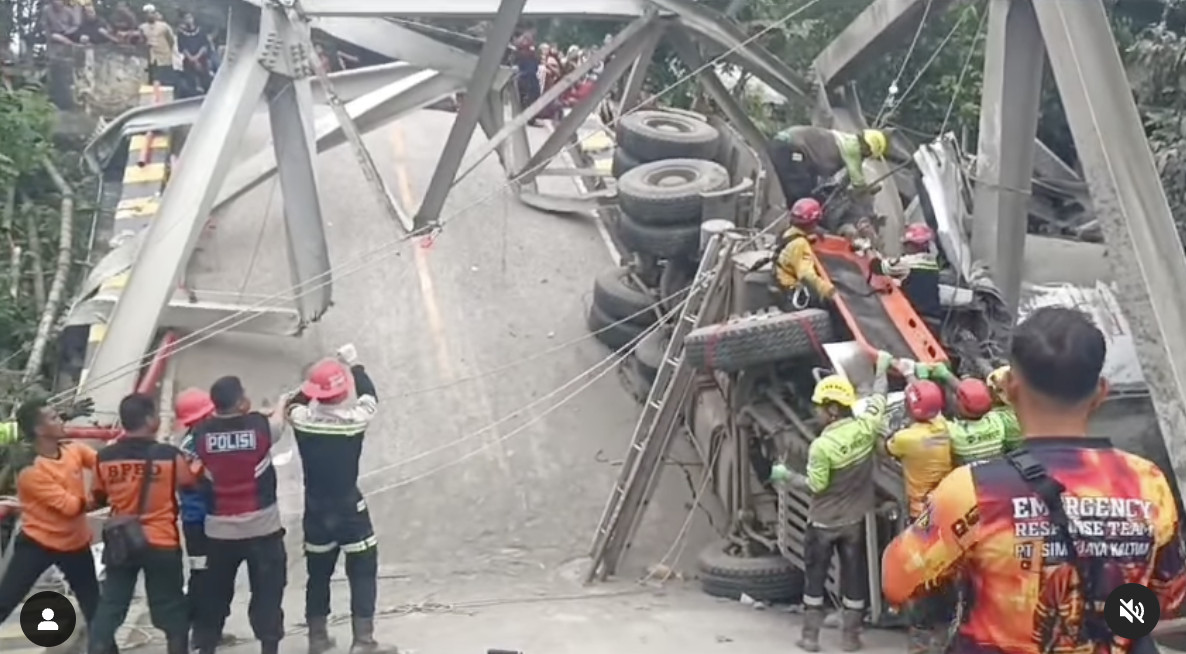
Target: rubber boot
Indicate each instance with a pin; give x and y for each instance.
(319, 640)
(813, 619)
(177, 644)
(269, 647)
(850, 630)
(364, 638)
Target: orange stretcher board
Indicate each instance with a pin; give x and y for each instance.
(879, 319)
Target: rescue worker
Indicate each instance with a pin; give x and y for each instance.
(917, 271)
(924, 449)
(53, 498)
(979, 439)
(795, 266)
(972, 398)
(840, 465)
(329, 417)
(139, 477)
(1007, 524)
(802, 155)
(192, 406)
(242, 520)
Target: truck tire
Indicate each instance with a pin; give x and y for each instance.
(619, 296)
(612, 332)
(768, 578)
(623, 162)
(677, 277)
(757, 339)
(668, 192)
(654, 135)
(666, 242)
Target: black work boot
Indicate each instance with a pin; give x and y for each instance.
(850, 629)
(364, 638)
(813, 619)
(269, 647)
(319, 640)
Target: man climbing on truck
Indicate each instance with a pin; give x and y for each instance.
(802, 155)
(924, 449)
(980, 439)
(795, 266)
(840, 465)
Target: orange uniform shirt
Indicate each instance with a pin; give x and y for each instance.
(985, 523)
(54, 499)
(119, 474)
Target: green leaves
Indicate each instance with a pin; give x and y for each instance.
(26, 125)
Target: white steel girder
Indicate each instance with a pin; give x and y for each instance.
(473, 8)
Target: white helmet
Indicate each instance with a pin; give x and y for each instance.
(149, 9)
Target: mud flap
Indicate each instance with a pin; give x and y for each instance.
(865, 314)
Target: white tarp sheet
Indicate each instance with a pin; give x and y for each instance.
(1122, 367)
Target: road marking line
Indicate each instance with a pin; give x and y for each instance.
(432, 312)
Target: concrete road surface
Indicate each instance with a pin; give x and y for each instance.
(458, 334)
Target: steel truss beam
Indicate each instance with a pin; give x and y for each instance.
(881, 27)
(472, 8)
(1014, 60)
(1143, 243)
(498, 37)
(348, 85)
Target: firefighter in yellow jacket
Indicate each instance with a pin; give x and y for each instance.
(795, 267)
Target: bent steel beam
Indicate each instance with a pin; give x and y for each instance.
(740, 48)
(498, 37)
(553, 94)
(295, 148)
(1143, 244)
(201, 315)
(1014, 59)
(170, 239)
(473, 8)
(348, 85)
(632, 91)
(369, 112)
(880, 27)
(399, 43)
(614, 71)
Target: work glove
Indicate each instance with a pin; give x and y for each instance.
(782, 475)
(347, 354)
(940, 372)
(923, 371)
(908, 367)
(79, 409)
(884, 361)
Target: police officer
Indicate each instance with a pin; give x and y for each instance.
(242, 520)
(1047, 532)
(329, 417)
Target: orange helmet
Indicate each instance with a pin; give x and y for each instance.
(973, 398)
(918, 234)
(924, 400)
(193, 405)
(806, 212)
(328, 381)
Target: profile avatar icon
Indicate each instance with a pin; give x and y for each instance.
(47, 621)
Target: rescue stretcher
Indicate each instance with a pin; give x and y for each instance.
(880, 317)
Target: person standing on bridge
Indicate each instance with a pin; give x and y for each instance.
(1047, 532)
(243, 518)
(329, 417)
(802, 155)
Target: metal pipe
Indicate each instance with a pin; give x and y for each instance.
(156, 368)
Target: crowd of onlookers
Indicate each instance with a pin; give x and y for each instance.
(541, 67)
(184, 57)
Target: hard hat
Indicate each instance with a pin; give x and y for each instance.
(918, 234)
(877, 142)
(924, 400)
(148, 9)
(193, 405)
(834, 388)
(328, 380)
(972, 398)
(806, 212)
(996, 384)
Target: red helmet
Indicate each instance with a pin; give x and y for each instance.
(328, 381)
(806, 212)
(193, 405)
(918, 234)
(924, 400)
(972, 398)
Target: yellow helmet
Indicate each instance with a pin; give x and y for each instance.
(996, 384)
(834, 388)
(877, 142)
